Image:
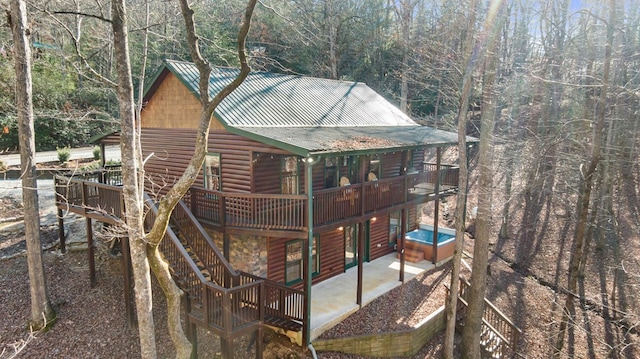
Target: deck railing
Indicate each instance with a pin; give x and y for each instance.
(449, 175)
(196, 238)
(287, 212)
(249, 295)
(495, 324)
(87, 197)
(228, 303)
(248, 210)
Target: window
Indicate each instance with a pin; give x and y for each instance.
(212, 171)
(294, 267)
(395, 226)
(330, 172)
(374, 168)
(290, 175)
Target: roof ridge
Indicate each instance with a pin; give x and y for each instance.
(271, 73)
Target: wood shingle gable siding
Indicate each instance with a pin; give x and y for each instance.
(173, 106)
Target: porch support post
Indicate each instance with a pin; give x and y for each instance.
(403, 233)
(308, 188)
(63, 240)
(226, 246)
(91, 253)
(436, 210)
(360, 262)
(103, 162)
(128, 288)
(103, 155)
(191, 330)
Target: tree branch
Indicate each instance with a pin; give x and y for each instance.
(98, 17)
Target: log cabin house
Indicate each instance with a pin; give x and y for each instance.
(304, 179)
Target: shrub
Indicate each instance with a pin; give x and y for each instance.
(96, 153)
(64, 154)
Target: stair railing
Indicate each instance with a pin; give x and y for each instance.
(222, 273)
(222, 309)
(278, 300)
(493, 320)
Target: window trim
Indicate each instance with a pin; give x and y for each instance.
(204, 171)
(315, 273)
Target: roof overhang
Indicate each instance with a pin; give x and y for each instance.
(109, 138)
(327, 141)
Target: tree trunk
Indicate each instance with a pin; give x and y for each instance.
(473, 317)
(461, 200)
(588, 172)
(131, 186)
(42, 313)
(405, 13)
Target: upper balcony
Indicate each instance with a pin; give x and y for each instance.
(330, 206)
(280, 212)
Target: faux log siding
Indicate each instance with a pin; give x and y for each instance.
(275, 259)
(418, 159)
(379, 235)
(331, 254)
(413, 217)
(391, 164)
(318, 176)
(266, 170)
(173, 149)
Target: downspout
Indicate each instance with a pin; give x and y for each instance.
(313, 351)
(308, 188)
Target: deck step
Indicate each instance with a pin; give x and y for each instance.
(286, 324)
(413, 256)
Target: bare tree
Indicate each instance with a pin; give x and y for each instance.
(131, 174)
(475, 310)
(42, 313)
(588, 176)
(461, 200)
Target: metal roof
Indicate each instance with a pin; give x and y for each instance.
(269, 99)
(306, 115)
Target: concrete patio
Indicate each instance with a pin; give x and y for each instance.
(335, 299)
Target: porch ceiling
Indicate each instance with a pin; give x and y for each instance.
(313, 141)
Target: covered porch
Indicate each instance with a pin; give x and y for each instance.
(335, 299)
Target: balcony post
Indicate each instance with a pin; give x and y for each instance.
(436, 210)
(360, 263)
(308, 188)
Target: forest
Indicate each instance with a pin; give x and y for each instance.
(560, 80)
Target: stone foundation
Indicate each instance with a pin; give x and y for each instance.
(247, 253)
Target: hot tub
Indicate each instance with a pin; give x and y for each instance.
(421, 239)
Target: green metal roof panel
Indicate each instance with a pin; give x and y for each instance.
(267, 99)
(327, 140)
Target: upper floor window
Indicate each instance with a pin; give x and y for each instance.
(374, 167)
(212, 171)
(290, 175)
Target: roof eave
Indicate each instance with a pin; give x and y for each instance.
(269, 141)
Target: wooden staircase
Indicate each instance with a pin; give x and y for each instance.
(227, 302)
(499, 336)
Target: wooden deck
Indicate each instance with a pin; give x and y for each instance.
(273, 212)
(227, 302)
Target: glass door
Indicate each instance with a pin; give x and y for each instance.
(350, 246)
